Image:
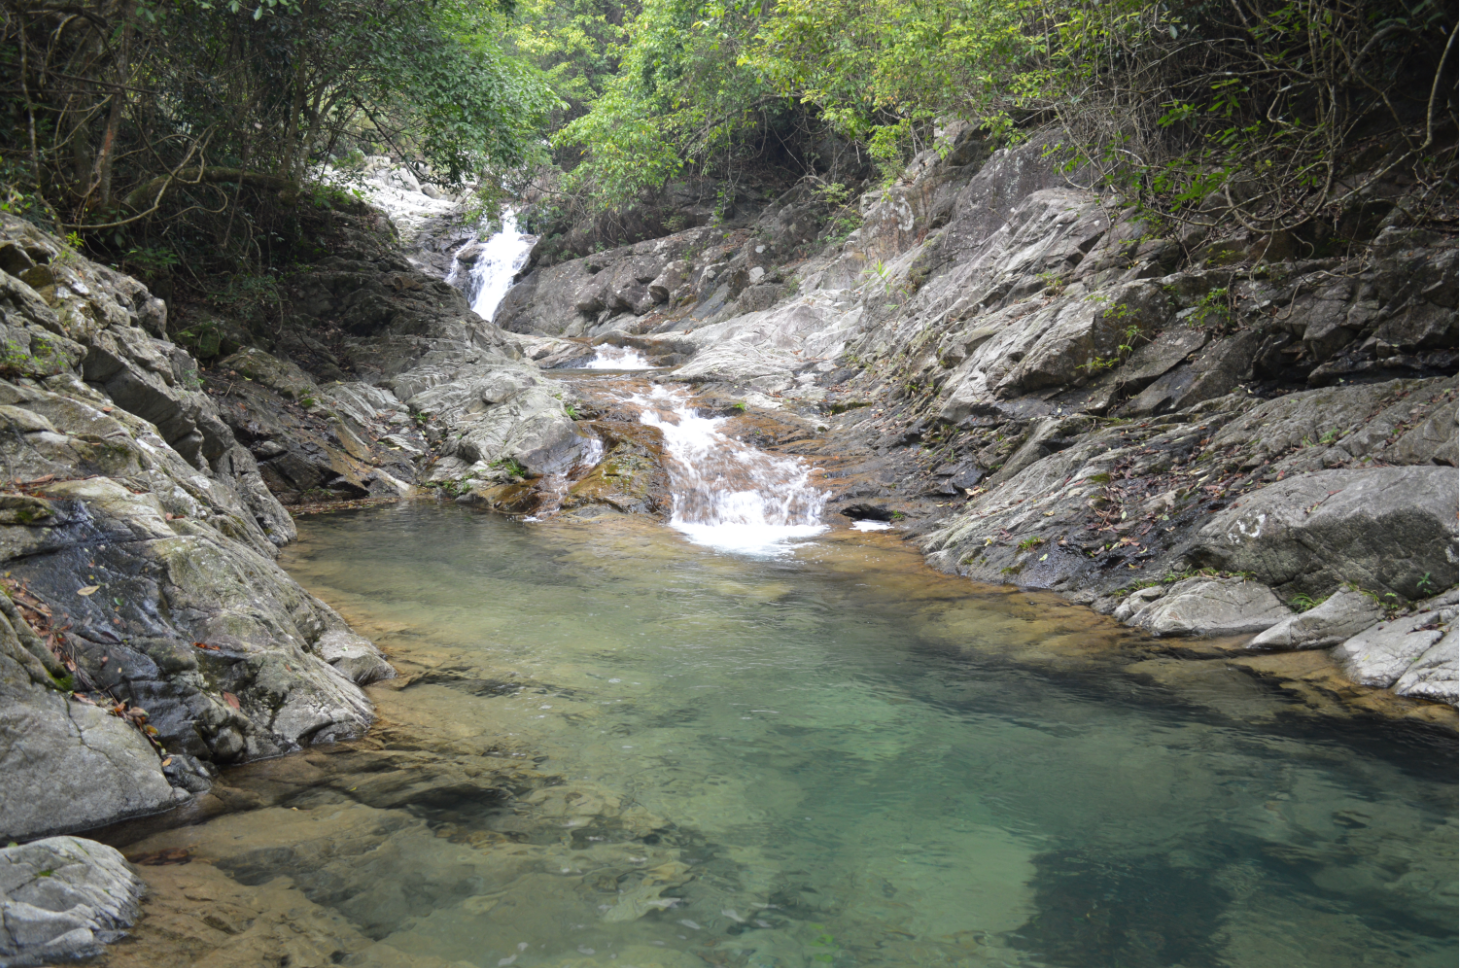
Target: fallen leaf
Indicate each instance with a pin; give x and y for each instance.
(88, 590)
(167, 762)
(160, 858)
(232, 700)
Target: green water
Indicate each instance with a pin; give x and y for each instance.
(840, 758)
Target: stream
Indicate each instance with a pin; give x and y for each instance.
(816, 754)
(752, 739)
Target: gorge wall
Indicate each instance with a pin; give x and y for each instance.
(1214, 435)
(1207, 434)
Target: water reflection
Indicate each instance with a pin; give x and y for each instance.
(610, 747)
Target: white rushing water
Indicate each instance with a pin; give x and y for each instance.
(618, 358)
(729, 496)
(497, 260)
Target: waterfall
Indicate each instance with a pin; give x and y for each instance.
(495, 262)
(618, 358)
(729, 496)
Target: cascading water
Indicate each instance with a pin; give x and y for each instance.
(618, 358)
(729, 496)
(726, 495)
(498, 260)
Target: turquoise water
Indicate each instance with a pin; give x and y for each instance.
(841, 758)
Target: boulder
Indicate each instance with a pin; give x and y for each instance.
(1407, 647)
(1385, 530)
(67, 765)
(1344, 614)
(1435, 674)
(63, 898)
(1211, 606)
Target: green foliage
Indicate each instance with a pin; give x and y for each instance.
(186, 133)
(512, 466)
(1304, 603)
(1213, 309)
(1249, 110)
(574, 43)
(680, 101)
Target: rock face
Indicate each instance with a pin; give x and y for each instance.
(1200, 606)
(149, 634)
(62, 899)
(1388, 529)
(1138, 411)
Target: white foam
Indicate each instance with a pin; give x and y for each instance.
(871, 526)
(618, 358)
(729, 496)
(498, 261)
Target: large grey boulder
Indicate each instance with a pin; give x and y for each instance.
(66, 765)
(1435, 674)
(1211, 606)
(1409, 647)
(1344, 614)
(1385, 530)
(63, 899)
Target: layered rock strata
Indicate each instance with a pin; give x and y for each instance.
(148, 636)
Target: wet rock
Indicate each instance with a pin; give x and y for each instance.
(67, 765)
(1201, 606)
(1343, 615)
(1385, 530)
(63, 898)
(355, 656)
(629, 478)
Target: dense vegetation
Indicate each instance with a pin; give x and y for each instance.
(190, 131)
(1274, 104)
(166, 130)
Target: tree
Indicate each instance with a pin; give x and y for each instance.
(122, 115)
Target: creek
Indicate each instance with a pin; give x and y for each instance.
(800, 749)
(835, 757)
(752, 739)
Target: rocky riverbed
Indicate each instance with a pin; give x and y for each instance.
(1252, 438)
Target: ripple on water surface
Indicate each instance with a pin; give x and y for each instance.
(612, 747)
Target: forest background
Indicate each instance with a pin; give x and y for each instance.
(186, 140)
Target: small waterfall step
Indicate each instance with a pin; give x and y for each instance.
(727, 495)
(495, 263)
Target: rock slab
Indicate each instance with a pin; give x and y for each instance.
(1389, 529)
(63, 898)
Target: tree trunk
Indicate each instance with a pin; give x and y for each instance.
(106, 155)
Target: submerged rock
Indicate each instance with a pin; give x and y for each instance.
(63, 899)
